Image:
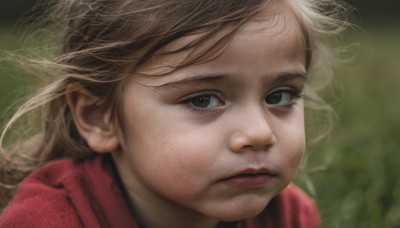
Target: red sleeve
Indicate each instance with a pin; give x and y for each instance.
(37, 205)
(68, 193)
(297, 208)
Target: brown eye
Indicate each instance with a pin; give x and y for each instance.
(282, 98)
(205, 101)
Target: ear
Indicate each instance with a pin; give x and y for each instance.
(91, 119)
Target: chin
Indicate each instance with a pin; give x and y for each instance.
(239, 215)
(240, 212)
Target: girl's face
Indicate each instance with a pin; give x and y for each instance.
(218, 139)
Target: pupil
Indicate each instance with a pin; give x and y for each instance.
(202, 101)
(274, 98)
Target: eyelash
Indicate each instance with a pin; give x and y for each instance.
(293, 93)
(188, 100)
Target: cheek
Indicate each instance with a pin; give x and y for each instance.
(170, 156)
(295, 153)
(289, 158)
(294, 147)
(290, 134)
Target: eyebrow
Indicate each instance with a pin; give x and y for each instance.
(288, 76)
(207, 78)
(194, 79)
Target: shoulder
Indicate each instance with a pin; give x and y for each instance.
(43, 200)
(289, 209)
(296, 209)
(296, 202)
(294, 198)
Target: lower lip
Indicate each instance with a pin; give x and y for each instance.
(248, 180)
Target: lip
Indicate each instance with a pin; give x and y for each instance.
(249, 178)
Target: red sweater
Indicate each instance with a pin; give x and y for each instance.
(69, 194)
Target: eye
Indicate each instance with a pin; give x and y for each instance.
(282, 97)
(203, 101)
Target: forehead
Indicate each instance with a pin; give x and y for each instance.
(275, 23)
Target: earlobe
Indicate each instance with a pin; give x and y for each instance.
(91, 119)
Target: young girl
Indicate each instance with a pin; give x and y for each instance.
(172, 114)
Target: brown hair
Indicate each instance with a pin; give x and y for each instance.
(102, 41)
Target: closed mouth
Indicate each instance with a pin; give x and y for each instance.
(249, 178)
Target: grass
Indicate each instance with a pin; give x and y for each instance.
(359, 185)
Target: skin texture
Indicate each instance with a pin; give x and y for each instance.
(188, 133)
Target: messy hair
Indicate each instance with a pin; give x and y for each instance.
(103, 41)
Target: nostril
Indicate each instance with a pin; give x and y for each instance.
(246, 148)
(260, 147)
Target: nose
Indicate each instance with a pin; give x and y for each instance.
(252, 131)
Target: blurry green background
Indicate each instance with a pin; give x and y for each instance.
(355, 171)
